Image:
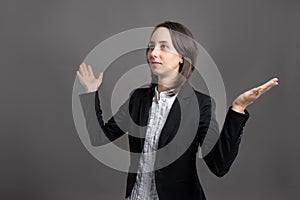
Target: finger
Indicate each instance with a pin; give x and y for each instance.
(83, 69)
(271, 82)
(79, 76)
(86, 70)
(268, 85)
(90, 71)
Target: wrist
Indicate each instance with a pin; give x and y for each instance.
(88, 90)
(238, 108)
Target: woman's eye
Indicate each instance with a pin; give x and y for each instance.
(151, 46)
(163, 46)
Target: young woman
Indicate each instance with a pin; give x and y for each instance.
(169, 108)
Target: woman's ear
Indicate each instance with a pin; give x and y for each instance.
(181, 60)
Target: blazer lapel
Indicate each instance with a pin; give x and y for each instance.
(145, 106)
(177, 110)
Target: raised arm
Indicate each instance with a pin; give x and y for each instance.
(99, 132)
(87, 78)
(224, 152)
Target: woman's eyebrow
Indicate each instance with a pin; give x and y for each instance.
(160, 42)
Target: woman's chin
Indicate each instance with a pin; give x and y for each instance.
(155, 71)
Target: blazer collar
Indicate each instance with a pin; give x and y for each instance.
(186, 91)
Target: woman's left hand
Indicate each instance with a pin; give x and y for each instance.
(248, 97)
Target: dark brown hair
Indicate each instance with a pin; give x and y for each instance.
(183, 42)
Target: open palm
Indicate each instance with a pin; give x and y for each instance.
(87, 78)
(248, 97)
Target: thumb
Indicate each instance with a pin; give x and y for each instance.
(100, 77)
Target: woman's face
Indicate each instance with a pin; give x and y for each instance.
(162, 56)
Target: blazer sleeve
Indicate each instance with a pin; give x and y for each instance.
(226, 144)
(101, 133)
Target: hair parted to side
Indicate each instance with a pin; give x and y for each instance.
(183, 42)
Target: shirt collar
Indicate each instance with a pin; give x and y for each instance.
(166, 94)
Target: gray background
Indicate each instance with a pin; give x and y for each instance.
(43, 43)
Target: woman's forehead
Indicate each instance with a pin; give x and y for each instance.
(161, 34)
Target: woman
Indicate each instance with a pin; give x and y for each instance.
(169, 108)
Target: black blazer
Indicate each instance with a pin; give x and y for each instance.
(191, 118)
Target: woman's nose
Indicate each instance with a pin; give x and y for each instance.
(155, 52)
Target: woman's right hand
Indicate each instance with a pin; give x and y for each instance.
(87, 78)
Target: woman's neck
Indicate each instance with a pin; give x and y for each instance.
(167, 83)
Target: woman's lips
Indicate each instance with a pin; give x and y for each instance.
(155, 64)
